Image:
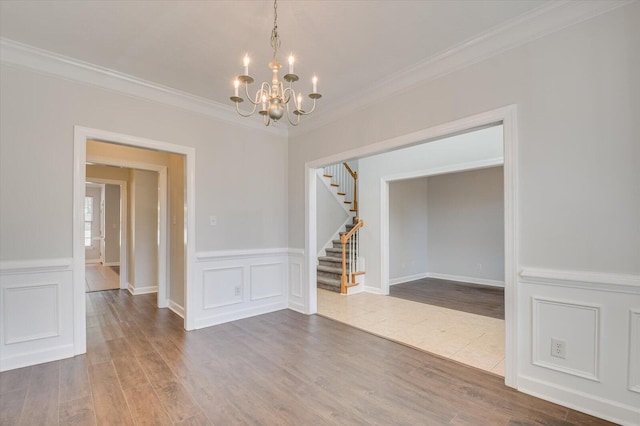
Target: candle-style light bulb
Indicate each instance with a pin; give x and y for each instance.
(236, 84)
(299, 101)
(264, 102)
(291, 60)
(246, 64)
(315, 84)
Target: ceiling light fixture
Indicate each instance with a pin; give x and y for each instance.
(274, 99)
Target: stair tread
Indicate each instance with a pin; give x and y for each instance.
(333, 259)
(329, 269)
(327, 280)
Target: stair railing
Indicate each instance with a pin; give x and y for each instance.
(354, 175)
(350, 269)
(341, 176)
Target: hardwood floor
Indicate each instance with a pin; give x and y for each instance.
(471, 298)
(279, 368)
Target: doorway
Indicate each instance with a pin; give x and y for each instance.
(81, 136)
(377, 282)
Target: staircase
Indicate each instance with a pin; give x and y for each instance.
(338, 270)
(330, 266)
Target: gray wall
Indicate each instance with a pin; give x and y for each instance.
(112, 224)
(144, 229)
(408, 234)
(465, 217)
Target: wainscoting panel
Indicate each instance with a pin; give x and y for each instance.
(597, 317)
(267, 281)
(574, 325)
(36, 324)
(30, 312)
(237, 284)
(297, 284)
(222, 286)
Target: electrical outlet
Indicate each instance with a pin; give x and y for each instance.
(213, 221)
(237, 290)
(558, 348)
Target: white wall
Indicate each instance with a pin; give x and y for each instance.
(408, 230)
(112, 224)
(577, 95)
(331, 215)
(465, 216)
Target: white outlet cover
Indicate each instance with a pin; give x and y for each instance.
(558, 348)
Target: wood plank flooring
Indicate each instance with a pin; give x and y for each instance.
(281, 368)
(471, 298)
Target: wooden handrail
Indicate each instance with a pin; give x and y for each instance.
(354, 175)
(344, 238)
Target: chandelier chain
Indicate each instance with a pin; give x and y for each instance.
(275, 37)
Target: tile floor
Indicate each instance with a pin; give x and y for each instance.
(467, 338)
(99, 277)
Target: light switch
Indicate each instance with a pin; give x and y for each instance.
(213, 221)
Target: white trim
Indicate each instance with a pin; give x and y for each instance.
(633, 377)
(602, 281)
(37, 357)
(176, 309)
(35, 265)
(508, 116)
(109, 264)
(142, 290)
(547, 19)
(408, 278)
(204, 256)
(572, 398)
(30, 57)
(373, 290)
(238, 314)
(91, 261)
(463, 279)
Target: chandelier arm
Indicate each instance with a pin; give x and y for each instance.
(289, 116)
(292, 94)
(246, 115)
(312, 109)
(258, 98)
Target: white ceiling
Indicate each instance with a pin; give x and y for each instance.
(197, 46)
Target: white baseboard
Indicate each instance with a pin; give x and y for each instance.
(91, 261)
(142, 290)
(37, 357)
(574, 399)
(240, 314)
(463, 279)
(298, 307)
(111, 264)
(177, 309)
(374, 290)
(407, 279)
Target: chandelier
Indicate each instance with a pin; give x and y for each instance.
(274, 99)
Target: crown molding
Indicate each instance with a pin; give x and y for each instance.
(44, 61)
(547, 19)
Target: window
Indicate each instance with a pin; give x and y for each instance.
(88, 220)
